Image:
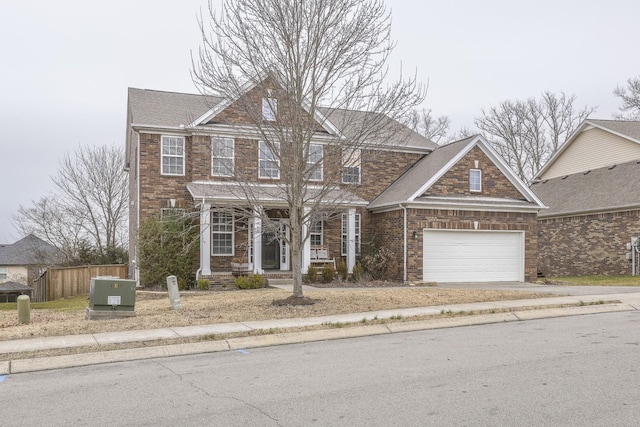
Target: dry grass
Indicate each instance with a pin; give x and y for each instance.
(199, 308)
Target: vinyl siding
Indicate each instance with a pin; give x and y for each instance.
(593, 149)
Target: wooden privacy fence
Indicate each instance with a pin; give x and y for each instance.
(56, 283)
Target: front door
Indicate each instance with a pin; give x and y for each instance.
(270, 251)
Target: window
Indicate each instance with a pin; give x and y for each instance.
(269, 109)
(222, 233)
(314, 163)
(172, 155)
(269, 162)
(222, 156)
(3, 273)
(351, 160)
(345, 226)
(315, 233)
(475, 180)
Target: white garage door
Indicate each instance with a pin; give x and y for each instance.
(473, 256)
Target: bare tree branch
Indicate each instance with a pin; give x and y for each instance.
(323, 61)
(630, 97)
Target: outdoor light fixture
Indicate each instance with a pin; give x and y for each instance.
(415, 235)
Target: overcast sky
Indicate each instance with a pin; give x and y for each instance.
(65, 66)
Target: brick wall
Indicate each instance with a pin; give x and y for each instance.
(586, 245)
(456, 181)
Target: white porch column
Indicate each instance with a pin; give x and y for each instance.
(205, 239)
(351, 239)
(306, 249)
(257, 241)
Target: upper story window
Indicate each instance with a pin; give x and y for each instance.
(172, 155)
(221, 233)
(222, 156)
(269, 109)
(475, 180)
(314, 163)
(351, 162)
(269, 166)
(315, 233)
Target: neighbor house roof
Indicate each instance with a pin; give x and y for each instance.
(7, 287)
(629, 130)
(611, 188)
(30, 250)
(411, 186)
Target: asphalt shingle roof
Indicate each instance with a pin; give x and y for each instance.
(172, 109)
(28, 251)
(598, 190)
(624, 127)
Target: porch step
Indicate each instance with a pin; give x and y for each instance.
(279, 282)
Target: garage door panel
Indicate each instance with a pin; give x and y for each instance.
(463, 256)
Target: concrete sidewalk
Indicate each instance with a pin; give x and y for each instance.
(515, 312)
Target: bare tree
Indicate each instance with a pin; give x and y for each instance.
(434, 128)
(315, 62)
(88, 209)
(526, 133)
(630, 96)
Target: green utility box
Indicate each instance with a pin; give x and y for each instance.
(111, 297)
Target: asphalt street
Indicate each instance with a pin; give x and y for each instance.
(570, 371)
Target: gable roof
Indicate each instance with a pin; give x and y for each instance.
(29, 250)
(182, 111)
(410, 187)
(605, 189)
(629, 130)
(156, 108)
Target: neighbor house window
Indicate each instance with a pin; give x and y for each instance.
(269, 162)
(222, 156)
(314, 163)
(345, 228)
(315, 233)
(3, 273)
(351, 162)
(269, 109)
(475, 180)
(221, 233)
(172, 155)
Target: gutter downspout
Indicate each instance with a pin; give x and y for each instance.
(136, 271)
(404, 277)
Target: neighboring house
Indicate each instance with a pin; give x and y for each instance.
(451, 213)
(22, 261)
(592, 188)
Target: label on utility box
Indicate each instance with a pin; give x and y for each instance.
(113, 300)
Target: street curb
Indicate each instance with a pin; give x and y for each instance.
(267, 340)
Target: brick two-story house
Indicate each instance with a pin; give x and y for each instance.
(451, 213)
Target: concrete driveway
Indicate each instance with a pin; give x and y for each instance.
(550, 289)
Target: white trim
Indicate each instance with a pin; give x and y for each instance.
(471, 189)
(275, 155)
(233, 152)
(321, 162)
(232, 232)
(162, 155)
(269, 109)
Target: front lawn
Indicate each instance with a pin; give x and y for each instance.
(596, 280)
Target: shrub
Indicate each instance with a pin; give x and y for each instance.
(328, 273)
(254, 281)
(378, 263)
(312, 274)
(358, 272)
(203, 284)
(241, 282)
(342, 270)
(168, 247)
